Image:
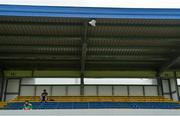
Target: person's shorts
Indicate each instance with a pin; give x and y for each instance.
(43, 98)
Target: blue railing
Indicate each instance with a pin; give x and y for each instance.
(97, 105)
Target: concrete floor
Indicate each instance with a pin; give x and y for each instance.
(92, 112)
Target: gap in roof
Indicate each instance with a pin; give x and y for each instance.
(99, 3)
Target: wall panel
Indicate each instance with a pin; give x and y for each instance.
(105, 90)
(135, 90)
(174, 89)
(166, 88)
(90, 90)
(13, 86)
(120, 91)
(73, 90)
(27, 91)
(59, 91)
(151, 90)
(39, 90)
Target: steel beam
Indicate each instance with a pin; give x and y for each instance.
(170, 89)
(170, 63)
(21, 23)
(106, 24)
(37, 57)
(83, 56)
(176, 84)
(159, 82)
(2, 84)
(51, 57)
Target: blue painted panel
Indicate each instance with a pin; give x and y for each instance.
(99, 105)
(89, 12)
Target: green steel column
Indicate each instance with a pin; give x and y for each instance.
(159, 82)
(1, 84)
(83, 56)
(177, 88)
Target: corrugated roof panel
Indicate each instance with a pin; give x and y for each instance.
(134, 41)
(127, 58)
(134, 31)
(122, 38)
(40, 49)
(127, 51)
(145, 22)
(36, 29)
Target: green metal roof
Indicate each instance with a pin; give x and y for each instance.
(28, 42)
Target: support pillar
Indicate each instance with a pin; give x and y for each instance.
(177, 88)
(1, 84)
(83, 56)
(159, 85)
(170, 88)
(174, 87)
(82, 85)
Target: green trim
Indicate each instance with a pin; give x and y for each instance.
(76, 73)
(18, 73)
(57, 73)
(120, 74)
(21, 73)
(178, 74)
(167, 74)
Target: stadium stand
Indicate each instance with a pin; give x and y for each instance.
(95, 105)
(92, 102)
(94, 99)
(46, 42)
(2, 104)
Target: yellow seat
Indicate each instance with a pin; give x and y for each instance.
(2, 104)
(94, 99)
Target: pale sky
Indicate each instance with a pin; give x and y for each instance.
(100, 3)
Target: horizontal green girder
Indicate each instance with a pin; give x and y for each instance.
(69, 73)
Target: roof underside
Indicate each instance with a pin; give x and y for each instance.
(55, 42)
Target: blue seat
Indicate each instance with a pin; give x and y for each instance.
(97, 105)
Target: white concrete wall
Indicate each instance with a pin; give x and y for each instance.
(13, 85)
(39, 90)
(105, 90)
(173, 89)
(166, 88)
(135, 91)
(12, 90)
(90, 90)
(151, 91)
(27, 91)
(59, 91)
(73, 91)
(28, 81)
(120, 91)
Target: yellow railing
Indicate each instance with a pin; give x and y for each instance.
(94, 99)
(2, 104)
